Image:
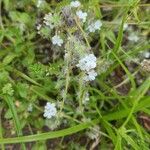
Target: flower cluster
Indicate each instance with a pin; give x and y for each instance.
(90, 75)
(56, 40)
(39, 3)
(94, 133)
(82, 15)
(75, 4)
(53, 21)
(88, 64)
(50, 110)
(146, 55)
(53, 27)
(133, 37)
(95, 26)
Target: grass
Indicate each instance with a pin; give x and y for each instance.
(33, 72)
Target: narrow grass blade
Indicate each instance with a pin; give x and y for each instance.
(11, 105)
(136, 96)
(130, 141)
(1, 131)
(26, 77)
(120, 34)
(127, 72)
(122, 113)
(49, 135)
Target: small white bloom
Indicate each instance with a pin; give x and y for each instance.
(39, 2)
(66, 56)
(95, 26)
(133, 37)
(47, 20)
(125, 26)
(56, 40)
(38, 28)
(146, 55)
(86, 98)
(90, 76)
(94, 132)
(82, 15)
(30, 108)
(87, 63)
(75, 4)
(91, 28)
(50, 110)
(98, 24)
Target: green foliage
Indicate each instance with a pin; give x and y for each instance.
(109, 112)
(8, 90)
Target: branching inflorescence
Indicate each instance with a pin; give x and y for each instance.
(73, 40)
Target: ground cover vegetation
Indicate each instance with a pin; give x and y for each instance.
(74, 74)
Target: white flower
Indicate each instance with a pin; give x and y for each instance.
(30, 108)
(90, 76)
(50, 110)
(87, 63)
(91, 28)
(66, 56)
(75, 4)
(95, 26)
(133, 37)
(146, 54)
(94, 132)
(98, 24)
(47, 20)
(86, 98)
(125, 26)
(81, 15)
(56, 40)
(52, 20)
(39, 2)
(38, 28)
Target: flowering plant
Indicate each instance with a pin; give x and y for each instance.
(74, 67)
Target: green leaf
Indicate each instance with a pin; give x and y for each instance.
(20, 17)
(9, 58)
(19, 73)
(122, 113)
(49, 135)
(11, 105)
(22, 89)
(8, 114)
